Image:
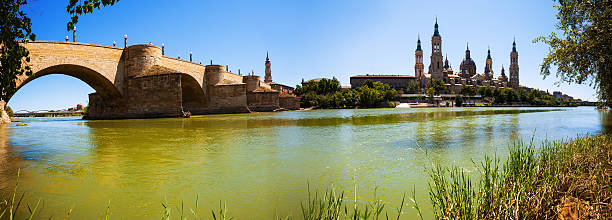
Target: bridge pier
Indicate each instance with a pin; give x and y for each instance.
(4, 118)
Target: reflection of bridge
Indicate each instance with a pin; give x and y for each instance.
(138, 82)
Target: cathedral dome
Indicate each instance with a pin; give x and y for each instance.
(468, 61)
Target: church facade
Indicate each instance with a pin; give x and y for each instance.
(440, 69)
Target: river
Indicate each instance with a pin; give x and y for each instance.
(260, 164)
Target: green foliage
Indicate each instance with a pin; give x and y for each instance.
(351, 98)
(430, 94)
(16, 29)
(77, 8)
(9, 111)
(326, 94)
(412, 87)
(438, 87)
(322, 87)
(369, 97)
(458, 100)
(468, 90)
(86, 111)
(581, 49)
(331, 206)
(485, 91)
(530, 184)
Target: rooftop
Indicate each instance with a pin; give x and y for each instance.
(382, 76)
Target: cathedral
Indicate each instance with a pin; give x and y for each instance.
(440, 70)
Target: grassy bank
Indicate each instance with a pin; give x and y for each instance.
(564, 180)
(554, 180)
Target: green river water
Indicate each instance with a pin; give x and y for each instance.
(259, 164)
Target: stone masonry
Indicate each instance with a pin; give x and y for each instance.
(138, 82)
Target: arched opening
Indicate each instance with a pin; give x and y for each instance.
(53, 91)
(103, 86)
(193, 97)
(50, 92)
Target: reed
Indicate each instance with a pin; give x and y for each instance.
(557, 180)
(332, 206)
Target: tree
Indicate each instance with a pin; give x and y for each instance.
(430, 94)
(412, 87)
(369, 97)
(9, 111)
(458, 100)
(336, 100)
(467, 90)
(485, 91)
(16, 29)
(510, 95)
(438, 86)
(582, 51)
(77, 8)
(351, 98)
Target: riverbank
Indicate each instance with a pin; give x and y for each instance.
(561, 180)
(554, 180)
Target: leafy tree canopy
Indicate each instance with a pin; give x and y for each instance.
(16, 29)
(79, 7)
(582, 48)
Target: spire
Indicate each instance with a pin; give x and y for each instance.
(419, 44)
(514, 45)
(467, 46)
(446, 66)
(489, 53)
(436, 32)
(268, 71)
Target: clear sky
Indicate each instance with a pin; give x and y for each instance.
(305, 39)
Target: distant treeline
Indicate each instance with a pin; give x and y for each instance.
(327, 93)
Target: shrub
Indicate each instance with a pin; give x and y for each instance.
(9, 111)
(458, 100)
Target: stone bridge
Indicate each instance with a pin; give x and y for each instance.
(138, 82)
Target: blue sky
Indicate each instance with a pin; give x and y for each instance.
(305, 39)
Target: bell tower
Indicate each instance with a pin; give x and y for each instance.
(436, 65)
(489, 66)
(419, 68)
(514, 68)
(268, 77)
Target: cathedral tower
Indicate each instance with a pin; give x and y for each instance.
(268, 77)
(435, 67)
(503, 77)
(514, 68)
(468, 66)
(419, 68)
(488, 72)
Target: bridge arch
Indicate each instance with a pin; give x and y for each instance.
(102, 85)
(193, 95)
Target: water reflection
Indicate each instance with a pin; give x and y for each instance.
(260, 163)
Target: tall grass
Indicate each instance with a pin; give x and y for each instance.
(332, 206)
(558, 180)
